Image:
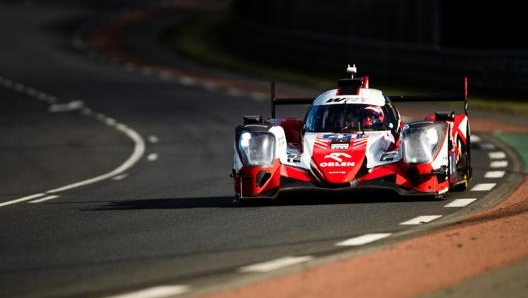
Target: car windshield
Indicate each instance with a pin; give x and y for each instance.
(344, 118)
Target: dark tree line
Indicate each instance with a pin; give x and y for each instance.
(444, 23)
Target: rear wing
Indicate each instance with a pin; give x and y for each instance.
(276, 101)
(435, 98)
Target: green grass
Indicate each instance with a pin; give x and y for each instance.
(208, 40)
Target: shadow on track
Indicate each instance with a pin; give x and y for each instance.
(324, 197)
(284, 199)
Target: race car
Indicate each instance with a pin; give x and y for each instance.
(353, 137)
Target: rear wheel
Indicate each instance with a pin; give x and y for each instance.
(463, 169)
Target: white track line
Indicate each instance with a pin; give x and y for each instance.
(487, 146)
(460, 202)
(155, 292)
(139, 143)
(139, 149)
(499, 164)
(275, 264)
(494, 174)
(120, 177)
(46, 198)
(420, 220)
(23, 199)
(497, 155)
(153, 139)
(363, 239)
(483, 187)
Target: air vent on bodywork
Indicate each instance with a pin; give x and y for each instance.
(262, 178)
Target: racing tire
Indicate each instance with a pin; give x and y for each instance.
(464, 170)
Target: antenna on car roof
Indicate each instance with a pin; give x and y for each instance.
(352, 85)
(352, 70)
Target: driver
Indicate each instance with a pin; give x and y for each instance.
(372, 116)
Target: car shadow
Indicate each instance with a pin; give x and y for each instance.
(284, 199)
(167, 203)
(311, 197)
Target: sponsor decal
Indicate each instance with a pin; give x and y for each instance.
(334, 164)
(337, 160)
(337, 141)
(336, 99)
(339, 146)
(340, 143)
(337, 156)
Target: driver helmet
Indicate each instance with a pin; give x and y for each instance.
(372, 115)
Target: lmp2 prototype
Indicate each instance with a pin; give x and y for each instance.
(353, 137)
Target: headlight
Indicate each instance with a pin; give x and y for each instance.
(257, 148)
(420, 141)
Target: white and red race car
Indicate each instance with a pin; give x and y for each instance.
(353, 137)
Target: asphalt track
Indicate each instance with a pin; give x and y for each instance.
(169, 218)
(483, 255)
